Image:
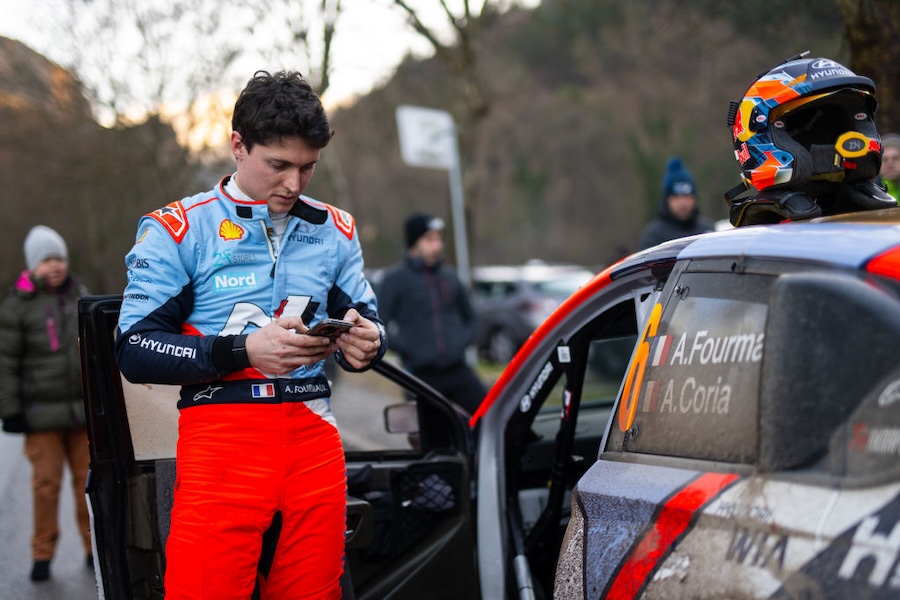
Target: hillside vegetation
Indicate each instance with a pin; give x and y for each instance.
(586, 101)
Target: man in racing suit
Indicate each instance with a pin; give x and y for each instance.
(222, 287)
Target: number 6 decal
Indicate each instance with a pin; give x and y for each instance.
(634, 379)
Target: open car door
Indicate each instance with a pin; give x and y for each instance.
(409, 462)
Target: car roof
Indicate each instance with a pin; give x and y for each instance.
(844, 240)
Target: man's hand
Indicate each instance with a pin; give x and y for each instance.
(359, 345)
(282, 346)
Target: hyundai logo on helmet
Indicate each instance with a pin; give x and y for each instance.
(825, 68)
(825, 63)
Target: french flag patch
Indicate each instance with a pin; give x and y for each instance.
(263, 390)
(663, 344)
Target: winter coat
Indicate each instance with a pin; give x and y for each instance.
(666, 227)
(429, 317)
(40, 374)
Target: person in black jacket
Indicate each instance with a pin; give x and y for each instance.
(429, 317)
(40, 387)
(678, 214)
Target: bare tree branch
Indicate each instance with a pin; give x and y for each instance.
(416, 23)
(330, 10)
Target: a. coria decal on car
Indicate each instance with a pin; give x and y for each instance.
(691, 388)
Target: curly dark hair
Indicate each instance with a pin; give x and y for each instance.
(279, 105)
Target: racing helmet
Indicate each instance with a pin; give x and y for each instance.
(803, 122)
(805, 137)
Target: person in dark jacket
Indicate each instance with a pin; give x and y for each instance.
(429, 317)
(678, 214)
(40, 387)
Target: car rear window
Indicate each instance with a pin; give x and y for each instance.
(693, 391)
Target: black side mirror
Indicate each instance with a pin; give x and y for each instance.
(401, 418)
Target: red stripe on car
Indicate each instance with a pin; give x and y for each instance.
(670, 525)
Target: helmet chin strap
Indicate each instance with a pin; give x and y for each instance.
(826, 163)
(834, 164)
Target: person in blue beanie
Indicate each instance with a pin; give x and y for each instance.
(678, 215)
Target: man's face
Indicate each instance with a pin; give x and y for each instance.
(682, 206)
(277, 173)
(429, 247)
(890, 163)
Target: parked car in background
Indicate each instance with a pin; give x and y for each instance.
(714, 417)
(512, 300)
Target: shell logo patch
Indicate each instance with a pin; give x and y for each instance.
(229, 230)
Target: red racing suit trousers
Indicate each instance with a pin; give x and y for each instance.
(237, 465)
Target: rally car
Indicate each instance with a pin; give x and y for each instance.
(715, 417)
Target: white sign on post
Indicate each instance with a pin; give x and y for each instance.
(427, 137)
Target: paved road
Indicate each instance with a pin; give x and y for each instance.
(70, 580)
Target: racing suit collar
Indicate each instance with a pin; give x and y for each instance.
(309, 213)
(256, 210)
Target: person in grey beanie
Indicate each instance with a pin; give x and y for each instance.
(40, 387)
(678, 215)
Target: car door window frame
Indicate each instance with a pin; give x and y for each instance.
(565, 364)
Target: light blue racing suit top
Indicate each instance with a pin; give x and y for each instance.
(203, 273)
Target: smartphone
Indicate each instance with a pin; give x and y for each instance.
(330, 328)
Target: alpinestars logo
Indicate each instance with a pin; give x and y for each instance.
(206, 394)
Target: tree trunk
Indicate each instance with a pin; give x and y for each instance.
(872, 28)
